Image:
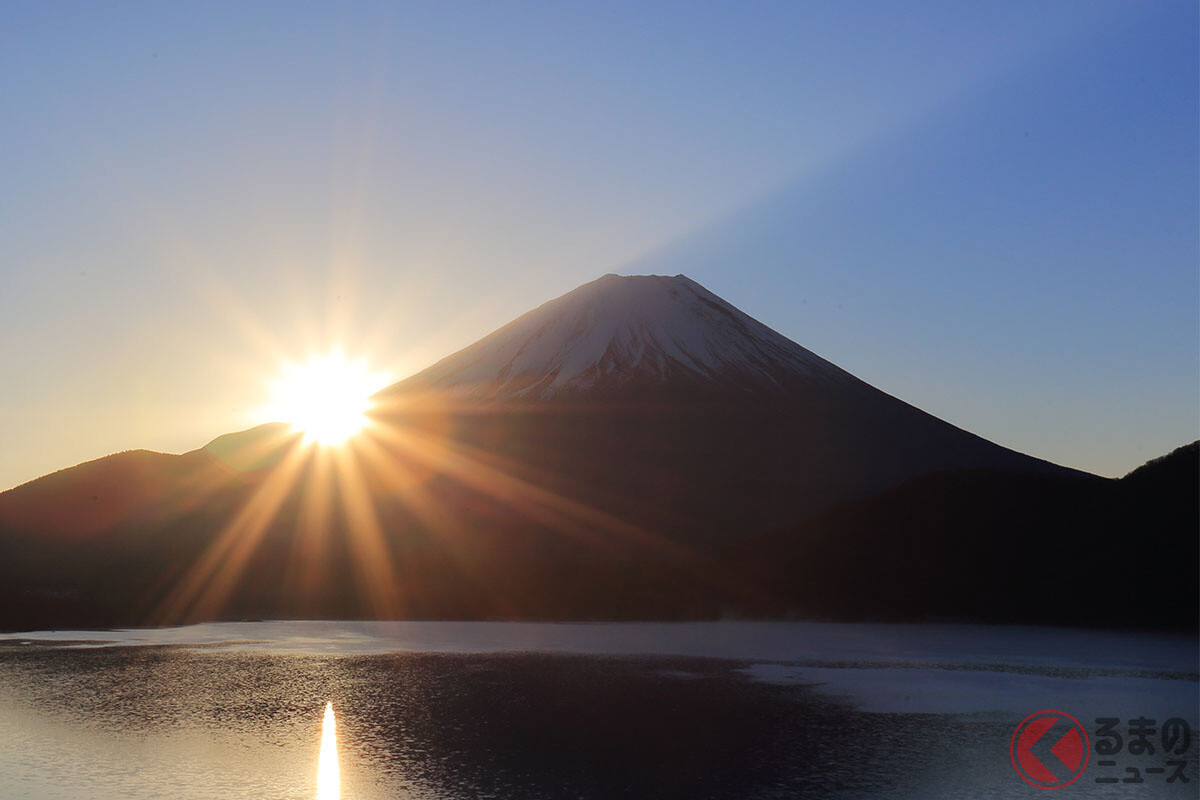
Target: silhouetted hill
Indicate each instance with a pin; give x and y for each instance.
(1176, 473)
(92, 497)
(978, 545)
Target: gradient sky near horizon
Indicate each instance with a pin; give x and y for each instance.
(989, 210)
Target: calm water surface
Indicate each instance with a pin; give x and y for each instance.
(220, 720)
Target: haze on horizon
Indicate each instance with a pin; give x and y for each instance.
(988, 211)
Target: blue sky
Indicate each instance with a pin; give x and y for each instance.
(987, 209)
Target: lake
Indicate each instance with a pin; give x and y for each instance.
(532, 710)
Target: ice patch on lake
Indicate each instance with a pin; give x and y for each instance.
(976, 691)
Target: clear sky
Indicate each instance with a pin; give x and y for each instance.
(989, 210)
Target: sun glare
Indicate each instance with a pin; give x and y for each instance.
(326, 399)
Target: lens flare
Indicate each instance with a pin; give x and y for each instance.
(329, 783)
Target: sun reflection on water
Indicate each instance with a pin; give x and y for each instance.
(328, 781)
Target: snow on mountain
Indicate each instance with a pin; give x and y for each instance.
(619, 330)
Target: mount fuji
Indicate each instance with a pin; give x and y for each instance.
(636, 448)
(651, 397)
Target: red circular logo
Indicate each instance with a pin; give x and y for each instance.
(1049, 749)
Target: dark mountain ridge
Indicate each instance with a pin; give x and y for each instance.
(997, 547)
(635, 449)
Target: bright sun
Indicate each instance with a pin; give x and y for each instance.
(327, 398)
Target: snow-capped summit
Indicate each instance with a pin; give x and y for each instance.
(623, 332)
